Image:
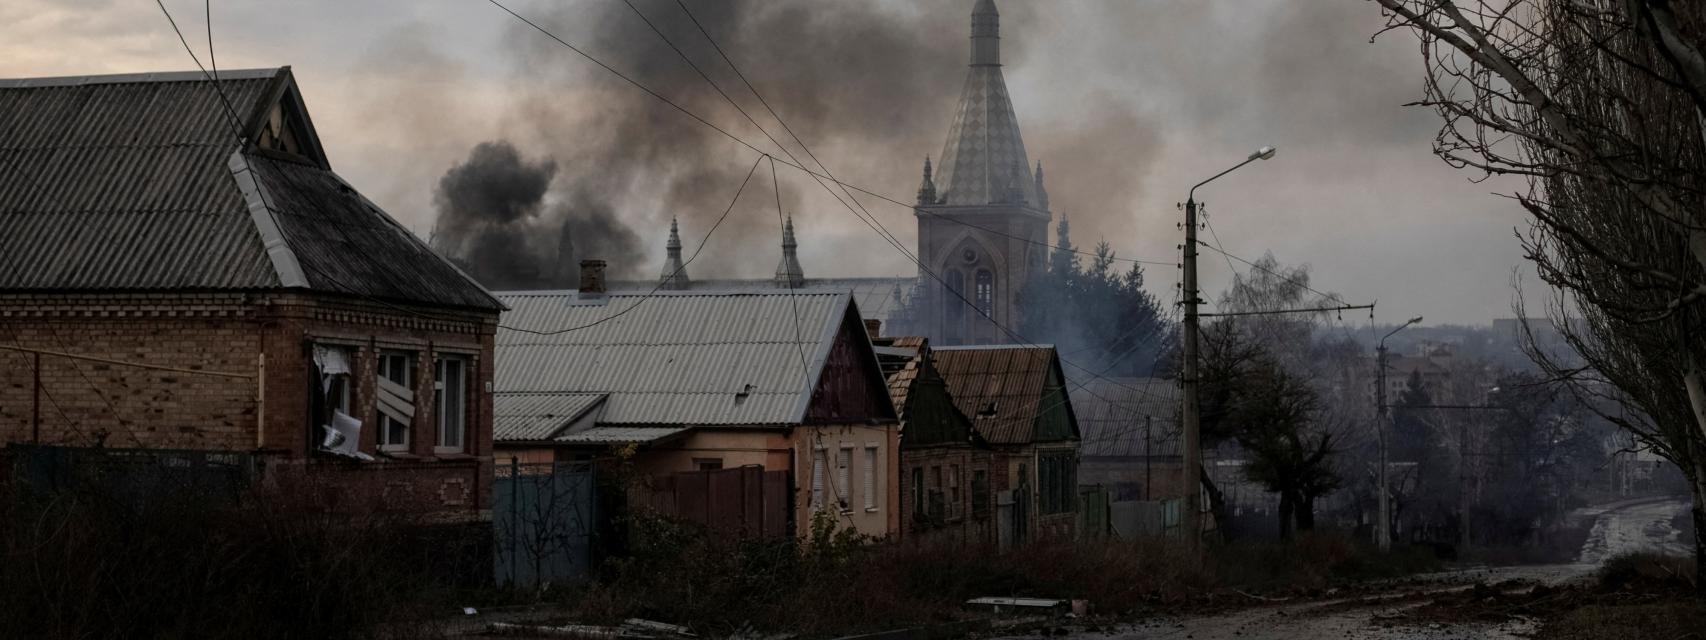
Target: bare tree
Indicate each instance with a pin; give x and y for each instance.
(1597, 105)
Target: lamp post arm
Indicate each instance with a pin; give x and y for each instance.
(1193, 194)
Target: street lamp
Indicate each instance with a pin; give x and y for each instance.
(1383, 533)
(1192, 412)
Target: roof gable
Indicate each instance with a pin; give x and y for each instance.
(929, 417)
(849, 386)
(1003, 389)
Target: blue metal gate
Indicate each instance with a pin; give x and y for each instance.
(543, 520)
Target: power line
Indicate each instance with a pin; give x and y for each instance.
(702, 242)
(867, 218)
(1271, 312)
(795, 163)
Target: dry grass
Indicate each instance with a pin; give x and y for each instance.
(678, 575)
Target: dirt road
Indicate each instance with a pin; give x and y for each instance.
(1618, 528)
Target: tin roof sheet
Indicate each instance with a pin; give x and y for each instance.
(121, 182)
(619, 435)
(999, 387)
(673, 358)
(1127, 417)
(126, 182)
(531, 417)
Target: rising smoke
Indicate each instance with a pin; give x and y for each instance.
(494, 219)
(870, 88)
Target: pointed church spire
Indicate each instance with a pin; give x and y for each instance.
(1042, 194)
(788, 272)
(985, 34)
(674, 275)
(1016, 180)
(927, 189)
(976, 164)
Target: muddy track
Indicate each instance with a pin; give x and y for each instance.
(1635, 525)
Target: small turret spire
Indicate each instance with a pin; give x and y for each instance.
(674, 275)
(1042, 194)
(927, 189)
(788, 271)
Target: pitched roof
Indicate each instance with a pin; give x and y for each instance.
(138, 182)
(695, 358)
(1127, 417)
(1001, 388)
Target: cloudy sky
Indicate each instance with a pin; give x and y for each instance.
(1125, 102)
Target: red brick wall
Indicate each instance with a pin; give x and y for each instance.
(263, 336)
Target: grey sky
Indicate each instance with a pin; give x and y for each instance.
(1125, 102)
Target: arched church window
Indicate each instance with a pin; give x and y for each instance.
(985, 292)
(956, 296)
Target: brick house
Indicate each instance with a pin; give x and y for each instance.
(1016, 399)
(163, 286)
(684, 381)
(945, 466)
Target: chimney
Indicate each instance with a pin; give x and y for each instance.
(873, 328)
(592, 277)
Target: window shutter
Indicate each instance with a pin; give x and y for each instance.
(870, 477)
(843, 475)
(817, 478)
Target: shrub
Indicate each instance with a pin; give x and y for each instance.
(80, 563)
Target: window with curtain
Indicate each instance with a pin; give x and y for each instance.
(870, 478)
(819, 460)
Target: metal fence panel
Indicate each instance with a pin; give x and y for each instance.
(544, 517)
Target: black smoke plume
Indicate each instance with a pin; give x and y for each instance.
(493, 219)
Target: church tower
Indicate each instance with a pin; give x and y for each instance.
(982, 214)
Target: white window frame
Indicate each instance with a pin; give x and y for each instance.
(871, 487)
(844, 477)
(380, 368)
(820, 458)
(440, 391)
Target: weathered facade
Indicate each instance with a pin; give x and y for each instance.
(1016, 400)
(946, 468)
(699, 380)
(182, 270)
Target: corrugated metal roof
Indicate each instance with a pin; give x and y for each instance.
(121, 183)
(125, 182)
(999, 387)
(619, 435)
(673, 358)
(1127, 417)
(532, 417)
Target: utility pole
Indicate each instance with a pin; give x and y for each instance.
(1193, 421)
(1190, 378)
(1383, 533)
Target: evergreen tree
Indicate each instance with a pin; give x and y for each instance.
(1099, 318)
